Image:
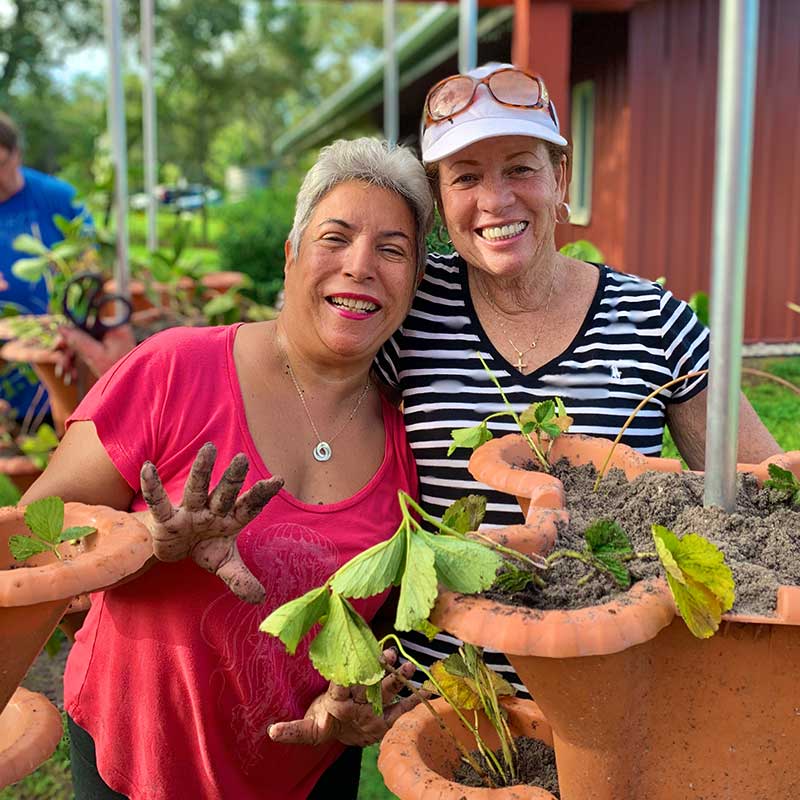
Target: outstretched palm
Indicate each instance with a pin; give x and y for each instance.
(205, 525)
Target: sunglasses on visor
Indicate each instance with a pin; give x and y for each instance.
(510, 86)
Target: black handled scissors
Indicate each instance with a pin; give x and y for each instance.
(85, 301)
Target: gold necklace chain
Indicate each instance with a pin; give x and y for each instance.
(322, 450)
(521, 365)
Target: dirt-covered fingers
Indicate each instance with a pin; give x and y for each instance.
(223, 497)
(195, 493)
(239, 579)
(299, 731)
(392, 684)
(392, 711)
(154, 494)
(252, 502)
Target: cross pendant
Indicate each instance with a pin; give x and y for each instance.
(520, 364)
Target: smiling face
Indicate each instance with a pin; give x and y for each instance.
(352, 281)
(498, 199)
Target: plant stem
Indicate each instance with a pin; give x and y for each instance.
(633, 414)
(536, 451)
(465, 754)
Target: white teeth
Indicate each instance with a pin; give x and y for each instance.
(352, 304)
(503, 232)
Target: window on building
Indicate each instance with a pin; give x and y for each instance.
(580, 187)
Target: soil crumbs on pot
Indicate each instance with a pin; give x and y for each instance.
(536, 766)
(761, 540)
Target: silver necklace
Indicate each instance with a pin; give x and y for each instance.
(521, 366)
(322, 450)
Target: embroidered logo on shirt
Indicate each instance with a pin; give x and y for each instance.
(615, 372)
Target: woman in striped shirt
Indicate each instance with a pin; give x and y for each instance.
(546, 324)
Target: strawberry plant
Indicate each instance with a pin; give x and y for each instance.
(45, 521)
(540, 424)
(784, 481)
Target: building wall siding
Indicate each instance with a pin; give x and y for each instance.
(673, 66)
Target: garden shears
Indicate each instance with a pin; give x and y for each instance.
(91, 309)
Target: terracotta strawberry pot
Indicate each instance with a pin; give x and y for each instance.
(63, 397)
(35, 595)
(20, 470)
(417, 760)
(138, 293)
(220, 282)
(30, 730)
(639, 707)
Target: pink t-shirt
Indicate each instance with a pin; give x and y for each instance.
(170, 674)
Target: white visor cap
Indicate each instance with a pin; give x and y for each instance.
(485, 118)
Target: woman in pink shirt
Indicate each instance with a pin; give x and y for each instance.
(170, 687)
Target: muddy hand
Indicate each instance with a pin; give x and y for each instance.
(205, 525)
(346, 715)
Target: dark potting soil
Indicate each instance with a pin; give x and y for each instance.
(535, 763)
(761, 540)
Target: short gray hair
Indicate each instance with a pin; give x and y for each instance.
(374, 162)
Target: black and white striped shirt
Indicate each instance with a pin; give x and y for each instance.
(635, 337)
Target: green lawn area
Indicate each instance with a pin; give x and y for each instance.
(777, 406)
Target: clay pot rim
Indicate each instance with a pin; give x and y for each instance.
(124, 547)
(411, 777)
(18, 465)
(628, 619)
(39, 723)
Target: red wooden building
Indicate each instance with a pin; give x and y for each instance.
(635, 85)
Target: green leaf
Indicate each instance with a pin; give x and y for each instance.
(418, 588)
(293, 620)
(29, 269)
(375, 698)
(783, 480)
(466, 514)
(551, 429)
(26, 243)
(463, 565)
(23, 547)
(528, 427)
(76, 532)
(54, 643)
(608, 543)
(544, 411)
(427, 629)
(220, 304)
(45, 518)
(469, 437)
(700, 580)
(373, 570)
(346, 651)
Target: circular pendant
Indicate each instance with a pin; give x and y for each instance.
(322, 452)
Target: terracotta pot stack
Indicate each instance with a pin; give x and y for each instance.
(417, 760)
(33, 597)
(639, 707)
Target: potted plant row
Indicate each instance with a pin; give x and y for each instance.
(49, 553)
(639, 706)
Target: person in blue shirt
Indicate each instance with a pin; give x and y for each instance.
(28, 201)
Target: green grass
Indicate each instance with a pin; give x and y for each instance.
(777, 406)
(166, 222)
(371, 786)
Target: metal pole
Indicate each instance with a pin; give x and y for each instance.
(738, 57)
(391, 77)
(119, 151)
(467, 35)
(149, 123)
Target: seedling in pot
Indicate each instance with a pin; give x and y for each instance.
(540, 424)
(346, 651)
(45, 521)
(785, 482)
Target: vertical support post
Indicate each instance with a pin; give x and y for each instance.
(119, 150)
(738, 57)
(149, 122)
(391, 78)
(467, 35)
